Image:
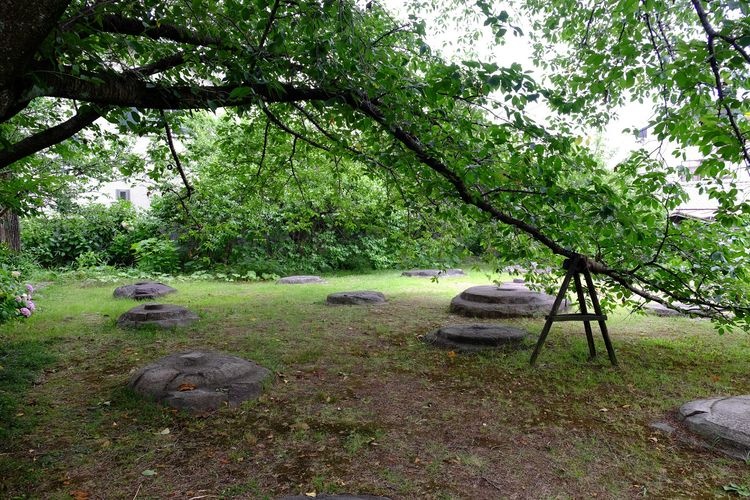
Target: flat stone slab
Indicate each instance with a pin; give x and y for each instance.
(300, 280)
(161, 315)
(200, 380)
(143, 291)
(657, 309)
(359, 298)
(476, 337)
(507, 300)
(723, 423)
(431, 273)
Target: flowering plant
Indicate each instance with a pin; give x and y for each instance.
(15, 296)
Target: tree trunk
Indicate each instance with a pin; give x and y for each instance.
(24, 26)
(10, 232)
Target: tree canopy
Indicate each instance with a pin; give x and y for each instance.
(347, 78)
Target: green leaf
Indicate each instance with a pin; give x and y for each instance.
(240, 93)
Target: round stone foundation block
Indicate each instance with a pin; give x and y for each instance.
(431, 273)
(160, 315)
(359, 298)
(476, 337)
(507, 300)
(299, 280)
(143, 291)
(723, 423)
(200, 381)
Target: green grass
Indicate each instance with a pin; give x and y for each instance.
(357, 402)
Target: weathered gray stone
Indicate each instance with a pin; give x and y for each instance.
(476, 337)
(662, 427)
(363, 297)
(723, 423)
(161, 315)
(143, 290)
(200, 381)
(657, 309)
(507, 300)
(431, 273)
(299, 280)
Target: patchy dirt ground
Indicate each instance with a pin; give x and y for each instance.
(359, 404)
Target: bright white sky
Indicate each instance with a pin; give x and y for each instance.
(518, 50)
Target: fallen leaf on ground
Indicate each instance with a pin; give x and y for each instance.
(149, 472)
(186, 387)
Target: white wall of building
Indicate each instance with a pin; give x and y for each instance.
(109, 192)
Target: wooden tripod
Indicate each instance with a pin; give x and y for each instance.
(575, 267)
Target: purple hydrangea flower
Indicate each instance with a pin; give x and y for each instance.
(29, 288)
(25, 311)
(30, 305)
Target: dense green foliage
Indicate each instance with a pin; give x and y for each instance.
(261, 203)
(266, 202)
(88, 235)
(354, 83)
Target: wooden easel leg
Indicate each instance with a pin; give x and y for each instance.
(602, 323)
(584, 310)
(550, 318)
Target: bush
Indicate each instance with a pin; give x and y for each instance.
(87, 236)
(22, 262)
(89, 259)
(15, 296)
(156, 255)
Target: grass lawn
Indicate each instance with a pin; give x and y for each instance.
(358, 403)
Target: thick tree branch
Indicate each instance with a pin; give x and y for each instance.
(158, 66)
(23, 27)
(413, 144)
(83, 118)
(131, 92)
(121, 25)
(49, 137)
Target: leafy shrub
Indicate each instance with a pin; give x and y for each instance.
(156, 255)
(89, 259)
(107, 232)
(15, 296)
(22, 262)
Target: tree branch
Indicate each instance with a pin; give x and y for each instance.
(49, 137)
(175, 156)
(23, 27)
(711, 34)
(82, 119)
(121, 25)
(130, 92)
(412, 144)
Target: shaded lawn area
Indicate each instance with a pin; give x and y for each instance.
(358, 403)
